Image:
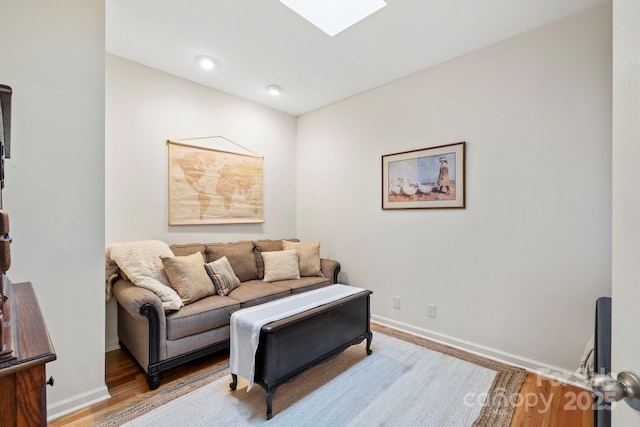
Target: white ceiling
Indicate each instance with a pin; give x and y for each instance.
(262, 42)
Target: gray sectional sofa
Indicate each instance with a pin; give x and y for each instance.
(160, 340)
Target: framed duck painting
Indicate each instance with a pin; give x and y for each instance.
(428, 178)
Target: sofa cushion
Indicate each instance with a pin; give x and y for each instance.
(200, 316)
(222, 275)
(256, 292)
(266, 246)
(196, 342)
(308, 257)
(188, 249)
(240, 256)
(280, 265)
(188, 276)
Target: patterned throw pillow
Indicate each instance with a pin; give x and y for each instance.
(222, 275)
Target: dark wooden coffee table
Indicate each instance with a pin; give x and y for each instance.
(290, 346)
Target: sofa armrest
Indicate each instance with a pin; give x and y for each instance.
(330, 269)
(142, 326)
(133, 298)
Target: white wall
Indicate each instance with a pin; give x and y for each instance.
(515, 275)
(516, 271)
(626, 204)
(52, 54)
(144, 108)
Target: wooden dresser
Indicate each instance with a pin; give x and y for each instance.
(23, 395)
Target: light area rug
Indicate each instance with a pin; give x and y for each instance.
(407, 381)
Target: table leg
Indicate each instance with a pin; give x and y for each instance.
(268, 397)
(369, 339)
(234, 382)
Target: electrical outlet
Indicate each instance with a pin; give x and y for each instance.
(396, 302)
(431, 310)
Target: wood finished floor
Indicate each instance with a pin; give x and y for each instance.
(541, 403)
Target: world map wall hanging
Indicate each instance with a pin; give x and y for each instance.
(210, 185)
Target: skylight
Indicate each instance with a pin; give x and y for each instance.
(333, 16)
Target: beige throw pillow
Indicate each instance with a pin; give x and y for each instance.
(188, 277)
(280, 265)
(308, 257)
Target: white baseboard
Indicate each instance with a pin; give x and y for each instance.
(112, 344)
(77, 402)
(553, 372)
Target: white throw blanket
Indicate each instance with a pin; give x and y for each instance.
(246, 323)
(140, 262)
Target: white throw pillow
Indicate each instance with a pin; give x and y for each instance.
(141, 262)
(280, 265)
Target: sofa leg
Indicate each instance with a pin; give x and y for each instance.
(153, 380)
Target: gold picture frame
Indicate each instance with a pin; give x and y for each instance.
(428, 178)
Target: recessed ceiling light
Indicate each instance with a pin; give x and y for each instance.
(274, 90)
(206, 62)
(333, 16)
